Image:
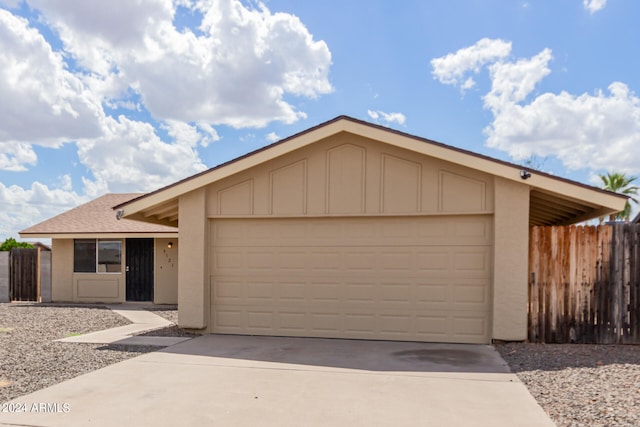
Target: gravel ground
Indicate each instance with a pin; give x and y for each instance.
(580, 385)
(30, 359)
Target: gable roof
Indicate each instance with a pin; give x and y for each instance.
(554, 200)
(97, 218)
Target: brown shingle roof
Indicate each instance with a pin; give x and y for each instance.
(96, 217)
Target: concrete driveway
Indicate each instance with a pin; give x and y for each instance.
(268, 381)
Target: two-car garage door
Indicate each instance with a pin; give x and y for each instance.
(392, 278)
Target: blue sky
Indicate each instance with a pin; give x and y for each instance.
(124, 96)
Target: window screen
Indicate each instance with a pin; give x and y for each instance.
(109, 256)
(84, 256)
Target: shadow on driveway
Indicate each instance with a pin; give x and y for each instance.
(348, 354)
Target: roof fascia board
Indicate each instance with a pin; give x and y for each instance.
(97, 235)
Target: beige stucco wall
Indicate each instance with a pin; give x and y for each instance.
(166, 271)
(81, 287)
(193, 276)
(511, 256)
(67, 286)
(351, 175)
(61, 270)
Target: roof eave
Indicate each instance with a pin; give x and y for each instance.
(604, 200)
(94, 235)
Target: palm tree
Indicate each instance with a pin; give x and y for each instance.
(621, 183)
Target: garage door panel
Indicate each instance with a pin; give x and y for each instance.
(373, 294)
(395, 293)
(472, 262)
(398, 325)
(325, 292)
(228, 260)
(261, 292)
(358, 293)
(227, 291)
(435, 326)
(431, 293)
(291, 291)
(470, 327)
(468, 262)
(261, 320)
(352, 278)
(433, 260)
(292, 322)
(471, 294)
(321, 322)
(335, 232)
(229, 320)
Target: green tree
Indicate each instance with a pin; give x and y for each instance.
(621, 183)
(11, 243)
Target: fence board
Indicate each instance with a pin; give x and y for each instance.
(585, 284)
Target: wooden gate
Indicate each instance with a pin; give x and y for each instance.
(585, 284)
(23, 274)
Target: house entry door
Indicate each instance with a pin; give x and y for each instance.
(139, 269)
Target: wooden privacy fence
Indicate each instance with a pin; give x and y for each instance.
(24, 274)
(585, 284)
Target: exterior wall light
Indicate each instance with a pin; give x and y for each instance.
(525, 174)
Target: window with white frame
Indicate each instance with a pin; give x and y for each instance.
(97, 256)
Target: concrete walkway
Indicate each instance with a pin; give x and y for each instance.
(270, 381)
(142, 321)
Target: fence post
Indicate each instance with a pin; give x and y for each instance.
(616, 281)
(4, 276)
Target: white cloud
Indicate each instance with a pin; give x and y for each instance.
(451, 68)
(23, 208)
(272, 137)
(15, 155)
(131, 157)
(387, 117)
(236, 71)
(512, 82)
(65, 182)
(49, 105)
(594, 5)
(599, 131)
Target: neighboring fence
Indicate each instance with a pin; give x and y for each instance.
(585, 284)
(25, 275)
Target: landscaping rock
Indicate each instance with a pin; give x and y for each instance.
(580, 384)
